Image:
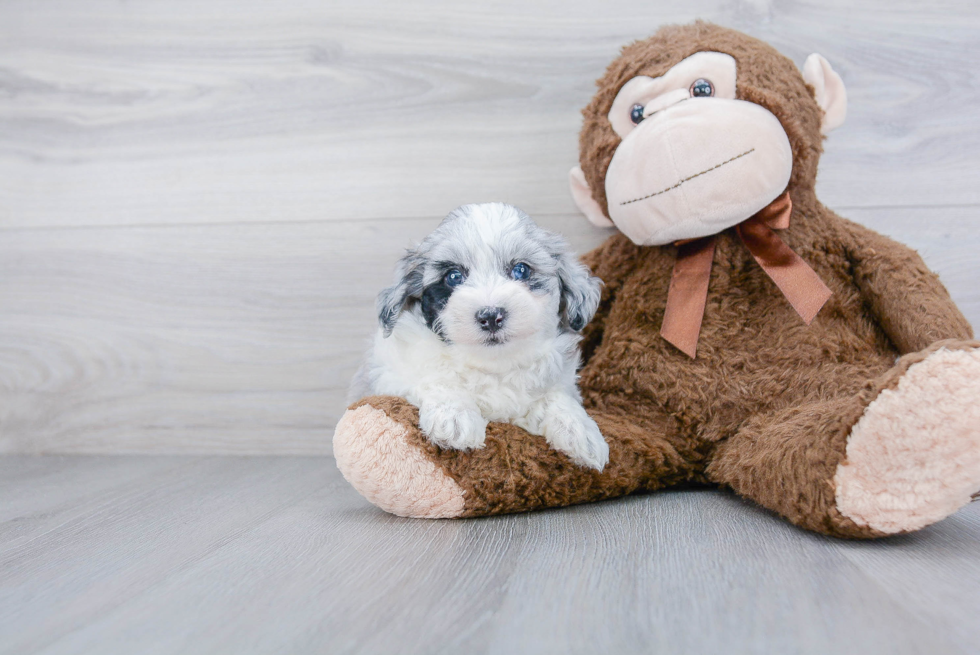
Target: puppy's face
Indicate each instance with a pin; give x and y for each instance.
(490, 284)
(488, 276)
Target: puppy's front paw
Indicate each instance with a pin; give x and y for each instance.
(452, 426)
(568, 428)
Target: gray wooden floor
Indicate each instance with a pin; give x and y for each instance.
(183, 555)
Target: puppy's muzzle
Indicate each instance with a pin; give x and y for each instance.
(491, 319)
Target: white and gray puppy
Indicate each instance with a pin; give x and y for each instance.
(482, 325)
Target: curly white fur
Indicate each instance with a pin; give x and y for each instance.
(435, 354)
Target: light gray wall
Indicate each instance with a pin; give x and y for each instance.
(199, 200)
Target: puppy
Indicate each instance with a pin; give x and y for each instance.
(482, 325)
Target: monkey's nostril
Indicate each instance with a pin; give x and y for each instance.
(491, 319)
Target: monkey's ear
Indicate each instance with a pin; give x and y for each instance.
(583, 198)
(828, 90)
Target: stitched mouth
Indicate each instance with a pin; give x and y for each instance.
(689, 178)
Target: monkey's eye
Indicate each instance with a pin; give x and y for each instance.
(636, 114)
(702, 88)
(454, 278)
(521, 271)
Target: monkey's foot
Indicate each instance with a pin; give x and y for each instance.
(376, 455)
(914, 457)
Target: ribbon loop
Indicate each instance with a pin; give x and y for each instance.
(688, 292)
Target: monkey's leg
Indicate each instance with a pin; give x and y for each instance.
(383, 454)
(901, 454)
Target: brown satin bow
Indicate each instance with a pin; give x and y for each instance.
(688, 291)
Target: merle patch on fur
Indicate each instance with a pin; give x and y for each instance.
(434, 299)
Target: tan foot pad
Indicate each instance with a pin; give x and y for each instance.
(914, 457)
(374, 455)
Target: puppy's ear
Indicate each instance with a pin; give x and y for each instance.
(580, 292)
(408, 285)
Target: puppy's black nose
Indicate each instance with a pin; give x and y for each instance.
(491, 319)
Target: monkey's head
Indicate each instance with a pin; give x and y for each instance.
(696, 129)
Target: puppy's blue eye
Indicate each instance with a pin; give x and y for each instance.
(636, 114)
(454, 278)
(521, 271)
(702, 88)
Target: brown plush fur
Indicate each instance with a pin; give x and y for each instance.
(767, 405)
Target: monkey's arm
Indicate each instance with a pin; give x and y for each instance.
(611, 262)
(908, 299)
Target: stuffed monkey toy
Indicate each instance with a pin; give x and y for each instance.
(747, 337)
